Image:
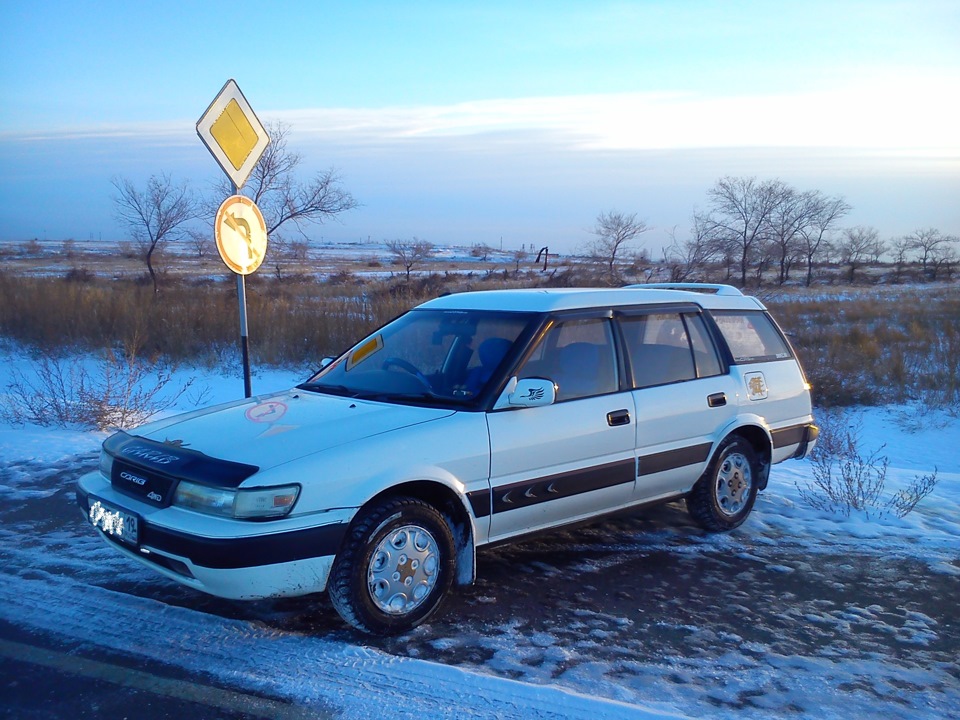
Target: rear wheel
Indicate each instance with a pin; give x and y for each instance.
(724, 496)
(395, 567)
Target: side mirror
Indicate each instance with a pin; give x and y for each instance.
(529, 392)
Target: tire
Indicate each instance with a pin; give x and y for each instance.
(724, 495)
(395, 567)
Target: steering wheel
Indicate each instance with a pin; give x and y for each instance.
(406, 366)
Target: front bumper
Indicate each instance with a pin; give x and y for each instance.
(233, 559)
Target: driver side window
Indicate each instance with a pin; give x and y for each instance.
(579, 356)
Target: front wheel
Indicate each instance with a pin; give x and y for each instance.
(395, 567)
(726, 492)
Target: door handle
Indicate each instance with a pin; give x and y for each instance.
(717, 399)
(618, 417)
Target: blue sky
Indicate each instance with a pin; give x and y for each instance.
(476, 122)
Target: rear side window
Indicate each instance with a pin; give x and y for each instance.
(659, 346)
(704, 353)
(752, 336)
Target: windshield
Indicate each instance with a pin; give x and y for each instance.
(425, 356)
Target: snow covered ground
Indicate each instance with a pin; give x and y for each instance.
(798, 614)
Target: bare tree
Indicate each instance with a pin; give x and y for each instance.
(943, 257)
(613, 230)
(481, 251)
(762, 258)
(786, 219)
(877, 250)
(900, 247)
(410, 254)
(282, 197)
(519, 256)
(277, 254)
(856, 246)
(823, 214)
(689, 258)
(200, 241)
(925, 241)
(741, 214)
(155, 214)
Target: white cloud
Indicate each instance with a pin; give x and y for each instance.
(886, 116)
(538, 169)
(175, 133)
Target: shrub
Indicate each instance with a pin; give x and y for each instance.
(79, 274)
(123, 391)
(845, 480)
(31, 247)
(343, 277)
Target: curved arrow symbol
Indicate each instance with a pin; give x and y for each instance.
(240, 226)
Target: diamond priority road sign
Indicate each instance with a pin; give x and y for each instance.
(233, 134)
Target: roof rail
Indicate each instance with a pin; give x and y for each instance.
(711, 288)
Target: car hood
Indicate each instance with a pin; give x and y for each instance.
(267, 431)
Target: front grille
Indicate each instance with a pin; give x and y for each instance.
(147, 485)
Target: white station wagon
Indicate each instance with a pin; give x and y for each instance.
(473, 418)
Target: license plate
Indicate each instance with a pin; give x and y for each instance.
(114, 522)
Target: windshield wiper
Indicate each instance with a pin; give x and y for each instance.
(330, 389)
(430, 398)
(425, 398)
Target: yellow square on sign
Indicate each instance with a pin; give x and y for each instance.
(234, 133)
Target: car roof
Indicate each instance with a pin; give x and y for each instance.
(546, 300)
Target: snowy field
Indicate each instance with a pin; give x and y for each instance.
(797, 614)
(364, 259)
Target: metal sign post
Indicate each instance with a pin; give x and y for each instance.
(244, 334)
(242, 242)
(236, 139)
(244, 341)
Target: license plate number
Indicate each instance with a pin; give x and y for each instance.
(122, 525)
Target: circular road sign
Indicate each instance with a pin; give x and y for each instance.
(241, 234)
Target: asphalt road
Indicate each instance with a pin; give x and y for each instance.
(42, 679)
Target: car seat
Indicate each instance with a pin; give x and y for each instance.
(490, 353)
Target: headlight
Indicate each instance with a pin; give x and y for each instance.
(270, 502)
(215, 501)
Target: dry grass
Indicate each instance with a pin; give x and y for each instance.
(865, 349)
(878, 349)
(290, 322)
